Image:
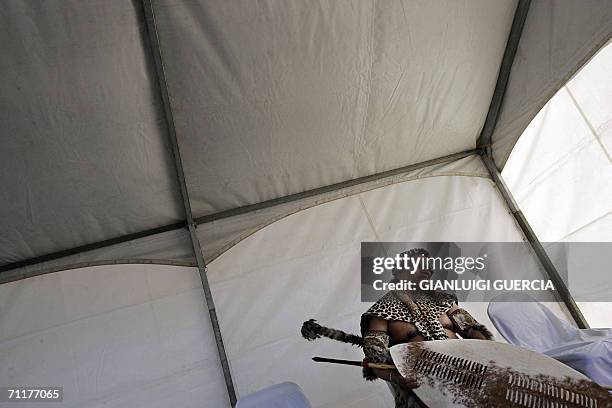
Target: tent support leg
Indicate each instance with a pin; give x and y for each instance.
(152, 35)
(536, 245)
(484, 144)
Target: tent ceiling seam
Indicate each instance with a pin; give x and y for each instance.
(588, 224)
(361, 136)
(588, 122)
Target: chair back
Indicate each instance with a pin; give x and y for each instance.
(526, 323)
(283, 395)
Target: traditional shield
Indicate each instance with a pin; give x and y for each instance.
(478, 373)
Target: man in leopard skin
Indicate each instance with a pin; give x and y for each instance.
(403, 317)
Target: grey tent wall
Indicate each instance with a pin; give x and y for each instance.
(152, 35)
(484, 143)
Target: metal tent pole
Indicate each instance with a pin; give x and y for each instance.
(518, 22)
(536, 245)
(153, 37)
(484, 143)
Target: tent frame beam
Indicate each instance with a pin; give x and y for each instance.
(153, 39)
(518, 22)
(484, 143)
(535, 244)
(233, 212)
(16, 275)
(90, 247)
(332, 187)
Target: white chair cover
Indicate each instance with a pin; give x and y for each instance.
(529, 324)
(284, 395)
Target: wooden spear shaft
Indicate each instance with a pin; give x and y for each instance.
(364, 364)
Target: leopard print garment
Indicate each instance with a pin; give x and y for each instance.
(421, 309)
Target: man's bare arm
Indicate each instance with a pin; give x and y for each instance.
(373, 345)
(466, 325)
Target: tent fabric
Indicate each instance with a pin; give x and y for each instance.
(218, 236)
(137, 335)
(560, 174)
(83, 155)
(307, 265)
(528, 324)
(269, 98)
(280, 97)
(172, 247)
(559, 37)
(258, 90)
(112, 336)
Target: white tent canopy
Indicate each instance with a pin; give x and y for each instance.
(266, 139)
(565, 157)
